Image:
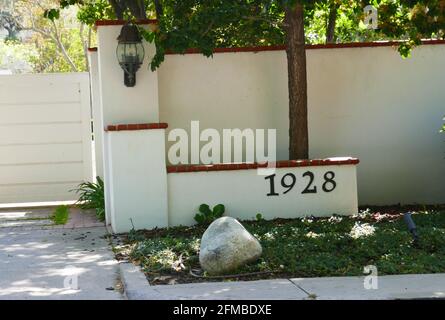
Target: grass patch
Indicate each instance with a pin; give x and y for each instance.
(61, 215)
(308, 247)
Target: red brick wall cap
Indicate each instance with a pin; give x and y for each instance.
(278, 164)
(311, 47)
(136, 126)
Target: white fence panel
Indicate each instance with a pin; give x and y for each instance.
(45, 136)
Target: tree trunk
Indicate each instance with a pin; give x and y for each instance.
(297, 83)
(117, 9)
(137, 8)
(332, 19)
(158, 8)
(12, 32)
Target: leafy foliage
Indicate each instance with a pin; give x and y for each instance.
(49, 59)
(207, 215)
(91, 196)
(167, 254)
(411, 21)
(51, 14)
(310, 247)
(134, 235)
(57, 41)
(210, 24)
(94, 11)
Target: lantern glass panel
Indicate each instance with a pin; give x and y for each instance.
(130, 52)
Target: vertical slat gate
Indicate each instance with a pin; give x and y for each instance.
(45, 136)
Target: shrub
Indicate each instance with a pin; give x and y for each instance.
(91, 196)
(207, 215)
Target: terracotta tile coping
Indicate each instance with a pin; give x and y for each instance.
(278, 164)
(308, 47)
(136, 126)
(311, 47)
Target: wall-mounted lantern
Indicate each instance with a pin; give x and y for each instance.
(130, 52)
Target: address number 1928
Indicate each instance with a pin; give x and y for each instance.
(289, 180)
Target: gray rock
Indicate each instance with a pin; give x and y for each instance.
(227, 245)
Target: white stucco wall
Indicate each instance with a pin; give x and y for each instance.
(138, 181)
(98, 126)
(123, 104)
(363, 102)
(244, 194)
(134, 174)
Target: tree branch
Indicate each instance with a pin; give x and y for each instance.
(62, 48)
(331, 21)
(268, 20)
(85, 46)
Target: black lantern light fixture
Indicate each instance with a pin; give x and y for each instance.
(130, 52)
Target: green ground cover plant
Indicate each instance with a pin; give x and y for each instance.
(307, 247)
(61, 215)
(207, 215)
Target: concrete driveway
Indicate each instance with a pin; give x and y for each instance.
(44, 262)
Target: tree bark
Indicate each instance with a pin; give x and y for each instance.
(297, 83)
(332, 19)
(137, 8)
(117, 9)
(158, 8)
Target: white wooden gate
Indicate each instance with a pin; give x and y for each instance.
(45, 136)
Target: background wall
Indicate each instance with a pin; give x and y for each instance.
(363, 102)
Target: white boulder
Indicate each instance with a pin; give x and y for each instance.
(227, 245)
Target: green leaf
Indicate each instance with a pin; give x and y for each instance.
(146, 34)
(218, 210)
(52, 14)
(205, 209)
(199, 218)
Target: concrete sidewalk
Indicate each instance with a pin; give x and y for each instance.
(52, 263)
(426, 286)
